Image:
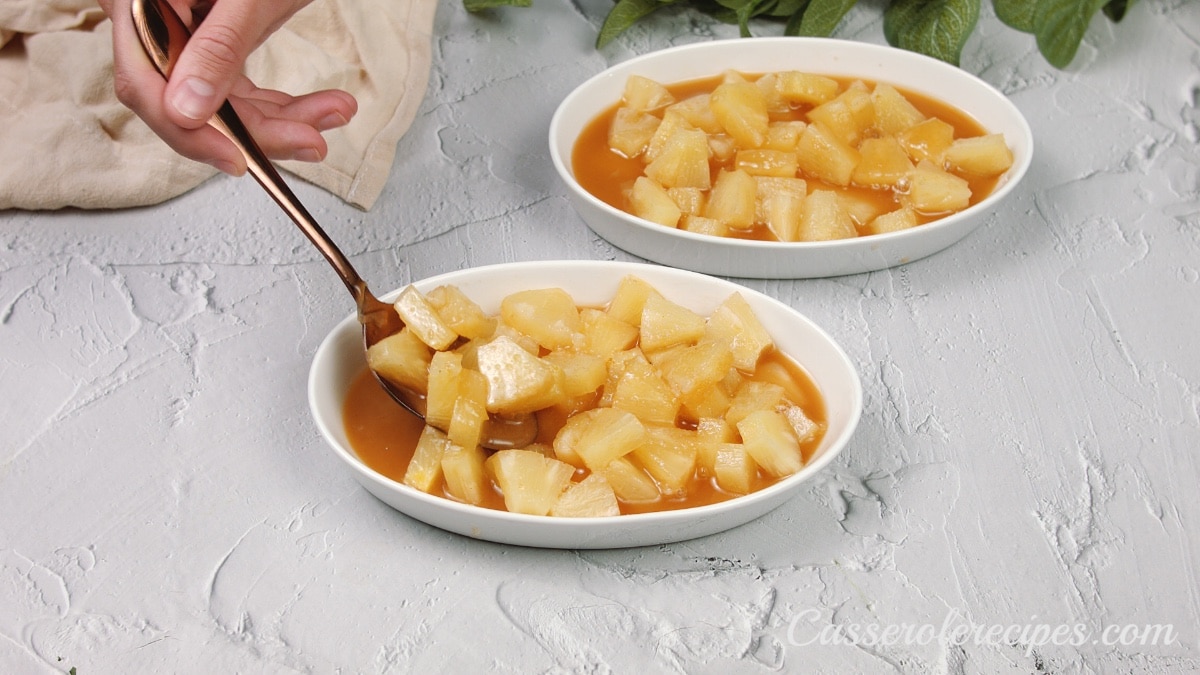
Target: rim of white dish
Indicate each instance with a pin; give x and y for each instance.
(1011, 178)
(832, 450)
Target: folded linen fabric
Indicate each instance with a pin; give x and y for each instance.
(65, 140)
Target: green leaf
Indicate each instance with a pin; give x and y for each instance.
(937, 28)
(480, 5)
(1116, 9)
(1061, 25)
(1016, 14)
(822, 17)
(786, 8)
(623, 15)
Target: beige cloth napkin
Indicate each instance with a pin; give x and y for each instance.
(65, 140)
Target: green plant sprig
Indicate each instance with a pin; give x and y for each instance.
(937, 28)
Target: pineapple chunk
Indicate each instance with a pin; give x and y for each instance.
(732, 199)
(461, 313)
(803, 426)
(932, 190)
(636, 386)
(778, 205)
(424, 470)
(444, 371)
(741, 110)
(702, 225)
(722, 148)
(985, 155)
(683, 161)
(643, 93)
(893, 221)
(671, 122)
(689, 200)
(751, 397)
(784, 135)
(530, 482)
(771, 442)
(420, 317)
(604, 335)
(823, 218)
(863, 205)
(734, 468)
(468, 420)
(710, 401)
(462, 469)
(665, 324)
(518, 382)
(630, 299)
(697, 112)
(768, 84)
(631, 131)
(762, 162)
(883, 163)
(734, 323)
(591, 497)
(599, 436)
(805, 88)
(849, 116)
(630, 482)
(699, 367)
(927, 140)
(402, 359)
(893, 112)
(669, 455)
(650, 201)
(548, 315)
(822, 154)
(582, 373)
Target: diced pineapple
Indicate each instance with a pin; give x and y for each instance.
(650, 201)
(823, 155)
(769, 439)
(762, 162)
(823, 218)
(403, 359)
(986, 155)
(882, 163)
(849, 116)
(784, 135)
(776, 103)
(702, 225)
(444, 371)
(630, 481)
(751, 397)
(591, 497)
(599, 436)
(638, 388)
(683, 161)
(862, 205)
(530, 482)
(802, 425)
(702, 402)
(893, 111)
(518, 382)
(643, 93)
(805, 88)
(927, 140)
(690, 200)
(732, 199)
(460, 312)
(665, 323)
(722, 148)
(669, 455)
(548, 315)
(778, 205)
(502, 330)
(716, 430)
(734, 323)
(422, 319)
(932, 190)
(671, 122)
(582, 373)
(893, 221)
(424, 470)
(604, 334)
(630, 299)
(742, 111)
(734, 468)
(631, 130)
(698, 113)
(698, 367)
(468, 420)
(462, 468)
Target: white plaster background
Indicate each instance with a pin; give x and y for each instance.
(1028, 451)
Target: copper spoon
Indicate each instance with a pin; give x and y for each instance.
(163, 35)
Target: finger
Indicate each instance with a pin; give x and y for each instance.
(281, 138)
(322, 110)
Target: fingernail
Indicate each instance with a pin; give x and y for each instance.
(331, 121)
(194, 99)
(307, 155)
(225, 167)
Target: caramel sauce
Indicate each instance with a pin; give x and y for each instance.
(609, 175)
(384, 435)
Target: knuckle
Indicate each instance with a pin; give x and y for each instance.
(218, 49)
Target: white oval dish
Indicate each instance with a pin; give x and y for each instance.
(340, 358)
(781, 260)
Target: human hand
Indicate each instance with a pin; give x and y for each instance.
(209, 72)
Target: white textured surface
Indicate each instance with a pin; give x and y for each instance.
(1028, 452)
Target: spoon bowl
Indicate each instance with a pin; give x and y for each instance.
(163, 35)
